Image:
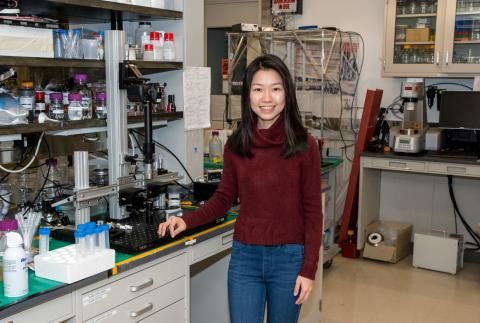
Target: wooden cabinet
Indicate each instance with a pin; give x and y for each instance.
(432, 38)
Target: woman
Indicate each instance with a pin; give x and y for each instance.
(273, 166)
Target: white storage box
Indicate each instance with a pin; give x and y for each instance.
(66, 265)
(438, 251)
(25, 41)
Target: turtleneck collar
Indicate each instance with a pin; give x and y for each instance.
(273, 136)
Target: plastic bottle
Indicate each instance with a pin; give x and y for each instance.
(80, 80)
(157, 46)
(101, 105)
(142, 36)
(8, 225)
(215, 147)
(168, 47)
(56, 106)
(57, 44)
(148, 52)
(15, 269)
(75, 109)
(44, 245)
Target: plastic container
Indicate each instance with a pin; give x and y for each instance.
(215, 147)
(148, 52)
(157, 45)
(57, 44)
(101, 105)
(44, 234)
(75, 109)
(168, 47)
(56, 106)
(142, 36)
(7, 225)
(15, 269)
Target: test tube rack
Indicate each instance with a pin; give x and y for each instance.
(68, 264)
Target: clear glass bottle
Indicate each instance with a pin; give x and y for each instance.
(27, 99)
(82, 88)
(215, 147)
(75, 109)
(56, 106)
(101, 105)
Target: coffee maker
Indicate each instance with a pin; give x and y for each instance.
(411, 137)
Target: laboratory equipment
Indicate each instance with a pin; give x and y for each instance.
(411, 137)
(438, 251)
(44, 244)
(15, 269)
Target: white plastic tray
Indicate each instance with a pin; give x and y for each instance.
(67, 265)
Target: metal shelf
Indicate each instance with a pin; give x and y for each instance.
(67, 128)
(50, 62)
(80, 11)
(417, 15)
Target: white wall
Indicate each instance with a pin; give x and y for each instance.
(224, 13)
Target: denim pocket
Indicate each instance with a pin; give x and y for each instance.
(293, 249)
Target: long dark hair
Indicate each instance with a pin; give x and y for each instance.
(295, 134)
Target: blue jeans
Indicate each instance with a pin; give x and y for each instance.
(260, 275)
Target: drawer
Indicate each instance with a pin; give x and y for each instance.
(172, 313)
(398, 164)
(145, 305)
(55, 310)
(212, 246)
(454, 169)
(118, 292)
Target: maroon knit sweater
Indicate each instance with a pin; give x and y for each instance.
(280, 199)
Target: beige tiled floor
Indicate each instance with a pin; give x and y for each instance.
(365, 291)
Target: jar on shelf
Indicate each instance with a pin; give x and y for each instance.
(101, 105)
(148, 53)
(401, 33)
(56, 106)
(75, 109)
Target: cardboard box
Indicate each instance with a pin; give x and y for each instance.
(25, 41)
(395, 244)
(418, 34)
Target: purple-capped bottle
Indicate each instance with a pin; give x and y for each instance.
(80, 80)
(75, 109)
(56, 106)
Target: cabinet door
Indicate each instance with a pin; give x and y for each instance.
(462, 36)
(414, 37)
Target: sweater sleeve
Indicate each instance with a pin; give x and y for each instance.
(223, 198)
(312, 209)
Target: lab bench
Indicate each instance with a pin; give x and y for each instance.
(414, 189)
(152, 285)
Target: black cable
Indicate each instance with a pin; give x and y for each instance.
(184, 187)
(452, 83)
(469, 229)
(169, 151)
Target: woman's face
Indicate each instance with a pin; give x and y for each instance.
(267, 97)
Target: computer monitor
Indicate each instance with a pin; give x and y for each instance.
(460, 110)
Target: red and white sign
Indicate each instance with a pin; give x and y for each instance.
(284, 6)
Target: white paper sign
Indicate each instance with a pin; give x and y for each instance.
(196, 97)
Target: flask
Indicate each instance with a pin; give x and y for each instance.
(168, 47)
(101, 106)
(44, 234)
(75, 109)
(15, 269)
(215, 147)
(82, 88)
(142, 36)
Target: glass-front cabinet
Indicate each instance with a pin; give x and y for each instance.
(432, 37)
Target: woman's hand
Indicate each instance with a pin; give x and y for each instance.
(303, 288)
(174, 224)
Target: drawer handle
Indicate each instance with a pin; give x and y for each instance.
(457, 170)
(144, 285)
(227, 239)
(141, 311)
(397, 164)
